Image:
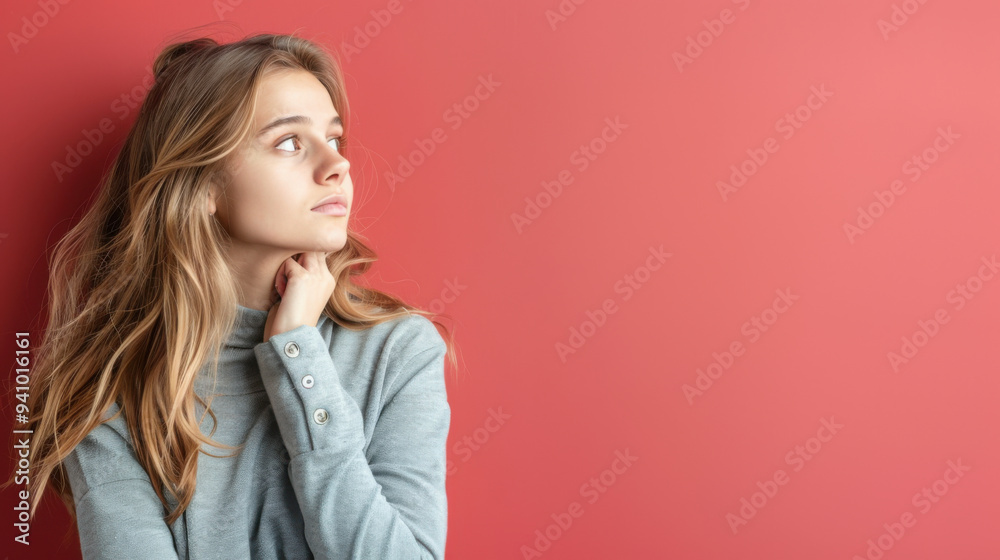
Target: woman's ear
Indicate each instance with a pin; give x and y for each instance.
(213, 193)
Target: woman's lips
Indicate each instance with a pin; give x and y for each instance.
(333, 209)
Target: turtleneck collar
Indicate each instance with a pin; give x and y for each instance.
(249, 329)
(238, 374)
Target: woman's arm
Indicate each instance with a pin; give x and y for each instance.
(389, 503)
(118, 514)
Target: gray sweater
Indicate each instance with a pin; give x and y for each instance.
(343, 435)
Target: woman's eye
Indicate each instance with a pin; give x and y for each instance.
(291, 143)
(286, 141)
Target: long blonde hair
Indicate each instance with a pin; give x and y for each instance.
(141, 295)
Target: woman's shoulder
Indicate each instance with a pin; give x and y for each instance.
(112, 432)
(412, 332)
(104, 455)
(387, 346)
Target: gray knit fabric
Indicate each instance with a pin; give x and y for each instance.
(343, 453)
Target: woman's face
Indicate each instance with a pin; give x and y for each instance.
(290, 165)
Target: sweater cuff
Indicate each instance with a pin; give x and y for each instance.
(311, 407)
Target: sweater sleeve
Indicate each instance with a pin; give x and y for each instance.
(118, 513)
(390, 504)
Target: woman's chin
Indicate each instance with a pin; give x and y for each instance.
(334, 245)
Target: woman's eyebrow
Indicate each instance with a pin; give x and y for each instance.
(298, 119)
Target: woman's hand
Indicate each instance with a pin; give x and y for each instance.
(304, 285)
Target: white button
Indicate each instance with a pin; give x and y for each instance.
(321, 416)
(291, 349)
(308, 381)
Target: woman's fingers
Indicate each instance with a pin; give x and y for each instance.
(281, 279)
(310, 262)
(305, 284)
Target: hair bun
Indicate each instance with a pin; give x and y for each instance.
(173, 52)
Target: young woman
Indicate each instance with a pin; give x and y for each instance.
(206, 303)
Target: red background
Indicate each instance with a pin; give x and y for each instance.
(656, 184)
